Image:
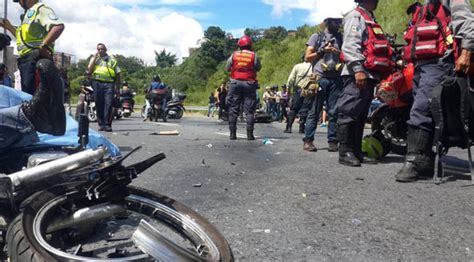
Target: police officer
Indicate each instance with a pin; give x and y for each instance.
(431, 65)
(105, 75)
(243, 66)
(367, 55)
(323, 50)
(40, 28)
(299, 105)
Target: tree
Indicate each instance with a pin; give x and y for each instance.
(275, 33)
(129, 64)
(164, 59)
(214, 32)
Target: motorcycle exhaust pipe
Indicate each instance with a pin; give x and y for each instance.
(49, 169)
(86, 216)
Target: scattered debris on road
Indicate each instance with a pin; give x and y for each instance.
(165, 133)
(267, 141)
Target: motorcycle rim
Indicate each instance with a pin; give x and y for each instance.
(179, 223)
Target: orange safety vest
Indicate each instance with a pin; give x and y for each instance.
(429, 37)
(377, 49)
(243, 66)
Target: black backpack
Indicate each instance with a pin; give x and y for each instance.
(452, 108)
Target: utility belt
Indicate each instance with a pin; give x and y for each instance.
(312, 87)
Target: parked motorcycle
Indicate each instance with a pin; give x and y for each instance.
(86, 103)
(175, 107)
(68, 203)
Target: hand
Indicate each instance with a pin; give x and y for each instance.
(5, 23)
(330, 49)
(464, 61)
(44, 52)
(361, 80)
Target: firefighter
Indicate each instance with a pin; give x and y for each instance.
(367, 55)
(430, 48)
(243, 66)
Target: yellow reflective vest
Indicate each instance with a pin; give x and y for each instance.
(26, 40)
(105, 70)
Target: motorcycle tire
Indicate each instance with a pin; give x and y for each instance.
(91, 115)
(27, 240)
(179, 113)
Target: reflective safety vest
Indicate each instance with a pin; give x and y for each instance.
(429, 37)
(243, 66)
(377, 49)
(26, 41)
(105, 70)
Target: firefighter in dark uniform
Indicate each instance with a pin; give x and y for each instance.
(367, 55)
(40, 28)
(430, 45)
(243, 66)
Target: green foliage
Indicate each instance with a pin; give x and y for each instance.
(214, 32)
(164, 59)
(204, 70)
(275, 33)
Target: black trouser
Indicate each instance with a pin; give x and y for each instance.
(352, 108)
(299, 106)
(27, 67)
(242, 93)
(104, 98)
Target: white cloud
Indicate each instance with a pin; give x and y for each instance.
(132, 30)
(317, 10)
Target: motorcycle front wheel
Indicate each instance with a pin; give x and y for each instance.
(91, 113)
(113, 238)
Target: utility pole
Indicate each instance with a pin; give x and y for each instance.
(5, 15)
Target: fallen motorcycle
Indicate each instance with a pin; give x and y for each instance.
(63, 201)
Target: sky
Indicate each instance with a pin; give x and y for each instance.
(139, 27)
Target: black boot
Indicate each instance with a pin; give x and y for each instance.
(289, 124)
(233, 134)
(346, 145)
(46, 109)
(419, 159)
(250, 134)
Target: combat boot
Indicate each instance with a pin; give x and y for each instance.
(309, 146)
(289, 124)
(333, 147)
(419, 158)
(46, 110)
(233, 134)
(346, 145)
(250, 134)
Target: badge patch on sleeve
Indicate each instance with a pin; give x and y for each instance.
(53, 16)
(30, 13)
(355, 28)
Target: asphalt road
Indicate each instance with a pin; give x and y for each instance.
(279, 203)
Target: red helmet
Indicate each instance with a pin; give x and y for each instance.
(245, 41)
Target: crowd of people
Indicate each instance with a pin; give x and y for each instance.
(341, 69)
